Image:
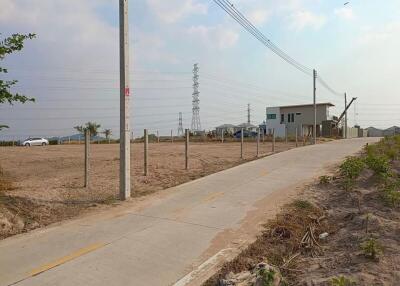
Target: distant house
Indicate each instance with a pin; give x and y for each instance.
(300, 117)
(226, 128)
(246, 126)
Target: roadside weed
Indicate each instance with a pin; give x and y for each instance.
(342, 281)
(371, 248)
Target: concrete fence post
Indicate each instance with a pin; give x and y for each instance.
(87, 163)
(187, 134)
(297, 139)
(158, 137)
(273, 140)
(146, 151)
(241, 143)
(258, 142)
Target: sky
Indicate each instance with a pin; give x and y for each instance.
(72, 67)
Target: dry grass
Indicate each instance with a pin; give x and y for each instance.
(281, 241)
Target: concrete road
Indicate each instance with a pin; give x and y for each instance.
(171, 238)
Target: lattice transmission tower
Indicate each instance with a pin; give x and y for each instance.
(248, 114)
(196, 125)
(180, 125)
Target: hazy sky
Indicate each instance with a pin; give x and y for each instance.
(72, 66)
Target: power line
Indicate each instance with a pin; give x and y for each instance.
(230, 9)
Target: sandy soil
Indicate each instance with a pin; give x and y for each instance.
(47, 182)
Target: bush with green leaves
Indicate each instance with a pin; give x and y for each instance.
(342, 281)
(391, 192)
(267, 276)
(371, 248)
(379, 164)
(352, 167)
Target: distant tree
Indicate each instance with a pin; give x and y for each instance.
(107, 133)
(9, 45)
(93, 127)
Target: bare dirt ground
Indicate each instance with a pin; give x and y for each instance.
(42, 185)
(357, 206)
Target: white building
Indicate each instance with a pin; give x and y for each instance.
(290, 118)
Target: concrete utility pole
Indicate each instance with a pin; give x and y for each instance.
(125, 148)
(345, 116)
(241, 144)
(315, 106)
(187, 134)
(146, 151)
(87, 150)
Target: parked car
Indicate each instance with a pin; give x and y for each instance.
(35, 142)
(246, 134)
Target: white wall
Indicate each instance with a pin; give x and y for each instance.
(275, 123)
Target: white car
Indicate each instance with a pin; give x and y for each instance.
(35, 142)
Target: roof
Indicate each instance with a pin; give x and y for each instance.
(226, 126)
(305, 105)
(246, 125)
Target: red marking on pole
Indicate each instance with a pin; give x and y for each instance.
(127, 91)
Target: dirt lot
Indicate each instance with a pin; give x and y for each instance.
(342, 231)
(45, 184)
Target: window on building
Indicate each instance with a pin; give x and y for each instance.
(271, 116)
(288, 117)
(298, 113)
(282, 118)
(292, 115)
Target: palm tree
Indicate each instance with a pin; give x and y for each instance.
(93, 128)
(107, 133)
(3, 127)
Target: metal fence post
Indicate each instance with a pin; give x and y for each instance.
(187, 149)
(87, 150)
(258, 142)
(273, 140)
(146, 151)
(241, 143)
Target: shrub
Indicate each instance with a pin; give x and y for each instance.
(342, 281)
(352, 167)
(378, 164)
(391, 192)
(371, 248)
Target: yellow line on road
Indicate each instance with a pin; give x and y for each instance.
(66, 258)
